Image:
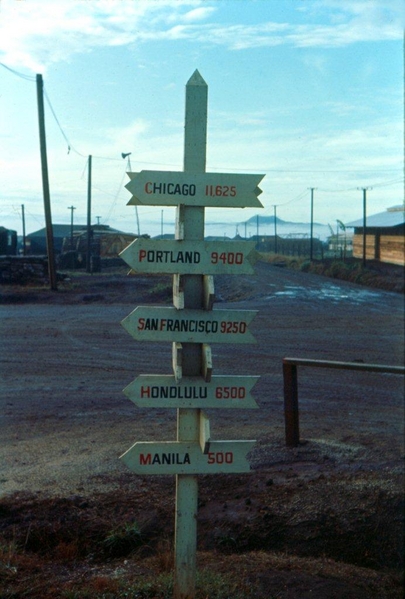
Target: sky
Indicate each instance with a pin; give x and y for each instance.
(307, 92)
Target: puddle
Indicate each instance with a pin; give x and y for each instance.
(327, 292)
(289, 293)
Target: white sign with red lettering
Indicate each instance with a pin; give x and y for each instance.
(163, 391)
(174, 457)
(190, 257)
(217, 190)
(147, 323)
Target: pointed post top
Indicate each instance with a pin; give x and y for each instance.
(196, 79)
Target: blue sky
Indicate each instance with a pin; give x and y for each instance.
(307, 92)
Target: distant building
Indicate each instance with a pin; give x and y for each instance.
(8, 242)
(341, 243)
(35, 243)
(105, 241)
(109, 241)
(385, 236)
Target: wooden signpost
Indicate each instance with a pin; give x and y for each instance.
(191, 325)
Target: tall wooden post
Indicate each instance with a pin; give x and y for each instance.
(364, 189)
(311, 238)
(23, 227)
(45, 184)
(71, 208)
(190, 227)
(291, 411)
(88, 253)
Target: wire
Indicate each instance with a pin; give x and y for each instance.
(39, 219)
(386, 184)
(59, 125)
(116, 195)
(70, 146)
(84, 169)
(389, 183)
(21, 75)
(280, 170)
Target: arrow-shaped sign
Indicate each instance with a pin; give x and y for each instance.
(170, 188)
(190, 257)
(147, 323)
(162, 391)
(173, 457)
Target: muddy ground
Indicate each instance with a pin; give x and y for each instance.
(321, 520)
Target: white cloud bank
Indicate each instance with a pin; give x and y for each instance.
(36, 33)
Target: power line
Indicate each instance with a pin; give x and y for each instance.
(69, 144)
(59, 125)
(116, 196)
(389, 183)
(21, 75)
(342, 190)
(295, 199)
(290, 170)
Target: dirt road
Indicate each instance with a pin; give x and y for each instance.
(65, 362)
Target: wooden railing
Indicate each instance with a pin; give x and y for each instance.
(290, 376)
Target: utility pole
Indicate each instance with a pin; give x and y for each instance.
(71, 208)
(23, 227)
(45, 184)
(275, 228)
(98, 220)
(364, 189)
(311, 246)
(88, 253)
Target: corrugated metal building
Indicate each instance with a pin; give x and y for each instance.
(109, 241)
(385, 236)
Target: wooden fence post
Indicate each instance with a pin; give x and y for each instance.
(291, 413)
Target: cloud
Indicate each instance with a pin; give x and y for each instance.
(36, 33)
(119, 138)
(198, 14)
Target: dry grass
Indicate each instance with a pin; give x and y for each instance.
(378, 275)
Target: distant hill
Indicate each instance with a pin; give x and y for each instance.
(269, 220)
(248, 228)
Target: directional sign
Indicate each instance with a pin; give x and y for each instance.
(162, 391)
(190, 257)
(173, 457)
(170, 188)
(147, 323)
